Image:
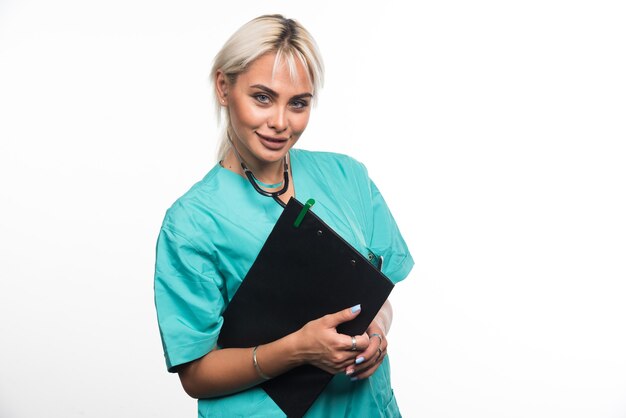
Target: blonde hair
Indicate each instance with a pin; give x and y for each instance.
(287, 38)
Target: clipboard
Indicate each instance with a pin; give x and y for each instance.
(304, 271)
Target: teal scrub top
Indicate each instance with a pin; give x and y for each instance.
(210, 238)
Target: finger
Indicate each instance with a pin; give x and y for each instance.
(341, 361)
(369, 357)
(355, 343)
(363, 341)
(380, 338)
(364, 374)
(369, 352)
(347, 365)
(343, 315)
(377, 335)
(367, 369)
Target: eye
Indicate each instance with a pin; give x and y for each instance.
(262, 98)
(299, 104)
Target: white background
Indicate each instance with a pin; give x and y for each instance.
(495, 130)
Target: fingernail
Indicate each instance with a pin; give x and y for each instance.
(359, 360)
(349, 372)
(356, 308)
(354, 379)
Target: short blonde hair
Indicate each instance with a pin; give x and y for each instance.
(287, 38)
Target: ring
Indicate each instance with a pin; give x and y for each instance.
(380, 337)
(353, 344)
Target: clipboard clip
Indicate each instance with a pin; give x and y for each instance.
(303, 212)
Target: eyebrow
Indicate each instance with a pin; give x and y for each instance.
(275, 94)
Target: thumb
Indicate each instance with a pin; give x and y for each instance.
(343, 315)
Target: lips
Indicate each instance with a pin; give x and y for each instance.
(272, 142)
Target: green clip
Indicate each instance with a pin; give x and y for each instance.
(303, 212)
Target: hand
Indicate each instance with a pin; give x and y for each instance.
(373, 355)
(322, 346)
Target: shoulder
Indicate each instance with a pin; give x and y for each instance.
(338, 173)
(331, 161)
(199, 202)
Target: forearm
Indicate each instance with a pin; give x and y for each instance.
(230, 370)
(384, 317)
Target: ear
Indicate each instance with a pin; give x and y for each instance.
(221, 87)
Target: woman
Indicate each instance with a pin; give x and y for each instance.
(266, 77)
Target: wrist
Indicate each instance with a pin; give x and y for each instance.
(295, 354)
(255, 363)
(375, 326)
(275, 358)
(380, 324)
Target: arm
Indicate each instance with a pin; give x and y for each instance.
(372, 358)
(383, 319)
(225, 371)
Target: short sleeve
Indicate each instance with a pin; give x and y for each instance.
(188, 301)
(386, 239)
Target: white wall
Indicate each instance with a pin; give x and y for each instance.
(495, 129)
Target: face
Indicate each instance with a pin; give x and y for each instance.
(268, 112)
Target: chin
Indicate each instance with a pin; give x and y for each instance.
(272, 156)
(273, 159)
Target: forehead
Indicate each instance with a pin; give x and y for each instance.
(266, 70)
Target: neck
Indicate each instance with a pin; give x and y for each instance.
(270, 173)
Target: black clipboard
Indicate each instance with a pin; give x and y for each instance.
(301, 273)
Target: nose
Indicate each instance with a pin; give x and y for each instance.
(278, 120)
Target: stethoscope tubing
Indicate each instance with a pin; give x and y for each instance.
(255, 183)
(275, 195)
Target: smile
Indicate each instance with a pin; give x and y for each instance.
(272, 139)
(271, 143)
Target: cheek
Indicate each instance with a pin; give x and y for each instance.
(300, 122)
(248, 116)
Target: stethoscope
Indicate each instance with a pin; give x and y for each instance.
(255, 182)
